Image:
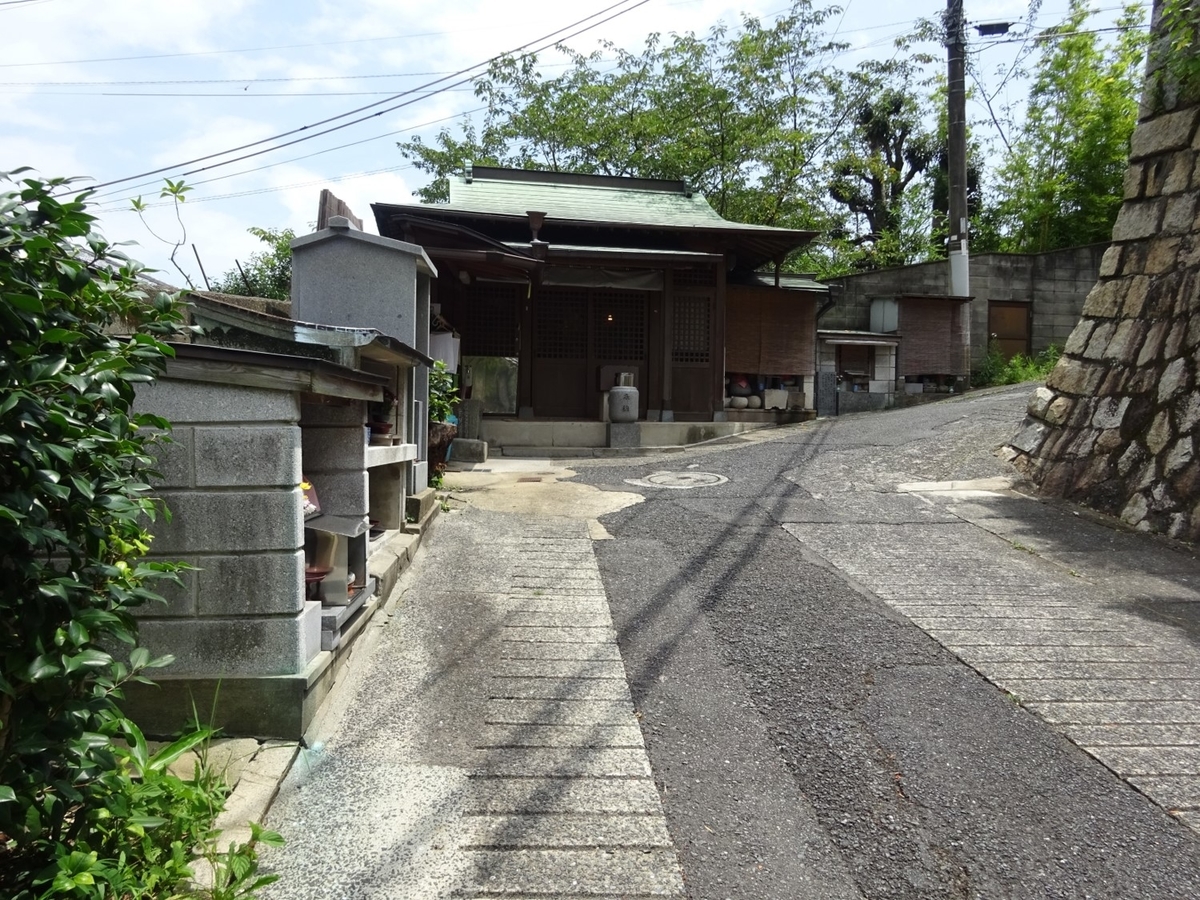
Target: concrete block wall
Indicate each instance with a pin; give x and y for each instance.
(853, 307)
(1061, 281)
(1117, 424)
(1056, 283)
(334, 442)
(826, 357)
(231, 480)
(885, 365)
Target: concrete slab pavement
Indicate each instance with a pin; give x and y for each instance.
(489, 745)
(1090, 625)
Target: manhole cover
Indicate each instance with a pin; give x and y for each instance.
(679, 480)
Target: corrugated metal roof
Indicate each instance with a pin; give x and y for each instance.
(787, 282)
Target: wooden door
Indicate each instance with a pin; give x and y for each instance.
(1009, 327)
(618, 339)
(576, 333)
(560, 354)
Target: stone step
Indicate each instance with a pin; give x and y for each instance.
(564, 762)
(510, 688)
(493, 736)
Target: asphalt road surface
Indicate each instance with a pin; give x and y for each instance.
(808, 740)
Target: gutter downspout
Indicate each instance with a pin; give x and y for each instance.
(831, 302)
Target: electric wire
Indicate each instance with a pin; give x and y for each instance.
(305, 128)
(283, 162)
(180, 55)
(267, 190)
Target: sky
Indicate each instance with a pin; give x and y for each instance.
(124, 87)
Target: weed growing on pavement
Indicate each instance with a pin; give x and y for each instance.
(996, 370)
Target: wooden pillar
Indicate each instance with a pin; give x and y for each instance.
(717, 353)
(668, 345)
(525, 302)
(652, 389)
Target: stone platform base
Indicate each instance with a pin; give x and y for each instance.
(269, 707)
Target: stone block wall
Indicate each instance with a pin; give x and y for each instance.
(335, 446)
(1116, 424)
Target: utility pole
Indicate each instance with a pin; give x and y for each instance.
(957, 150)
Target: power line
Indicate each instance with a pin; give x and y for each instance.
(221, 80)
(270, 190)
(1050, 34)
(293, 159)
(523, 47)
(246, 95)
(104, 59)
(279, 79)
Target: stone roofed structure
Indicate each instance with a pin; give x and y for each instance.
(1116, 424)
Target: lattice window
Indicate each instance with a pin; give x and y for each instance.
(691, 324)
(700, 276)
(487, 319)
(560, 324)
(619, 319)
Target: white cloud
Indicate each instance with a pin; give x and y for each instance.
(100, 130)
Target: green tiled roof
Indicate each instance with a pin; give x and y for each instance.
(624, 201)
(575, 205)
(586, 198)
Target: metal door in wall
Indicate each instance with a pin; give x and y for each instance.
(1009, 327)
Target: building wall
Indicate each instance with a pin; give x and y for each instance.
(935, 338)
(1056, 283)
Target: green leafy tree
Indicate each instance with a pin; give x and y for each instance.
(266, 274)
(880, 169)
(737, 115)
(1060, 185)
(443, 393)
(85, 809)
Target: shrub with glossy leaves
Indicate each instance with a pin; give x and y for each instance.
(77, 796)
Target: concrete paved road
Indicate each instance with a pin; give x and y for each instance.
(795, 640)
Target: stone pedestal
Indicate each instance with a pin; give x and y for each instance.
(470, 414)
(624, 434)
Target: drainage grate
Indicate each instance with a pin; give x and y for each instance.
(530, 480)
